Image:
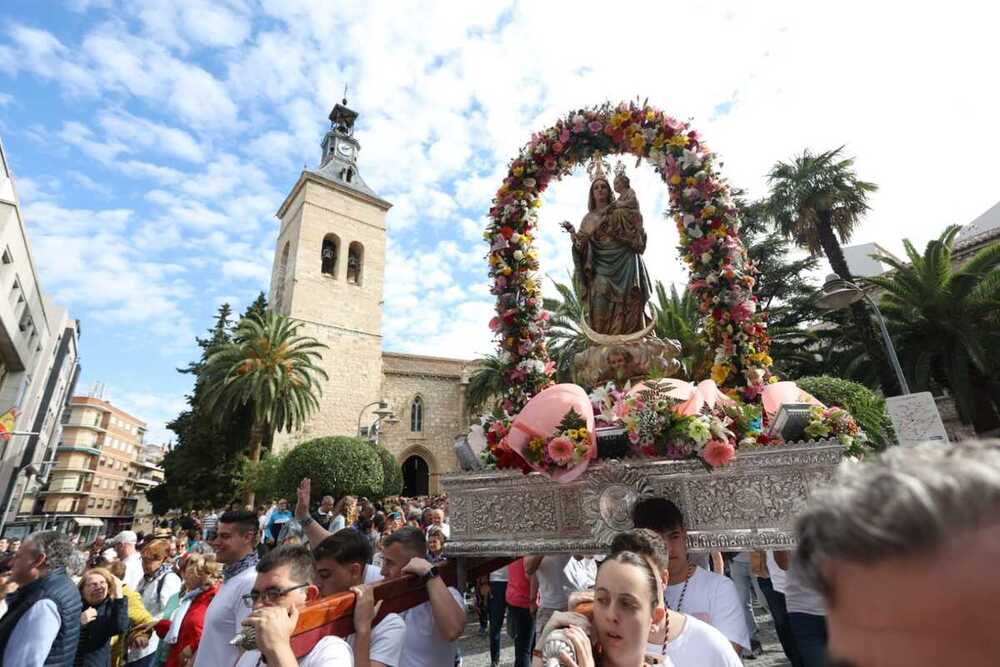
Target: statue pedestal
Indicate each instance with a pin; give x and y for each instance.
(750, 504)
(628, 360)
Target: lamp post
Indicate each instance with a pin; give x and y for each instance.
(381, 412)
(839, 293)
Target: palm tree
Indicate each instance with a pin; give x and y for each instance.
(943, 318)
(814, 200)
(677, 316)
(485, 383)
(565, 338)
(269, 367)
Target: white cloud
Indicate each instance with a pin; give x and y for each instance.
(143, 133)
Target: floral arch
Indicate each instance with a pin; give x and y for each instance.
(721, 275)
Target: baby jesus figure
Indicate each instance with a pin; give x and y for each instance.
(623, 216)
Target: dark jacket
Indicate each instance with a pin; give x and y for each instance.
(95, 637)
(59, 588)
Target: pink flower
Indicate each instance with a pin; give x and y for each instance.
(743, 311)
(718, 453)
(550, 367)
(594, 126)
(564, 137)
(561, 450)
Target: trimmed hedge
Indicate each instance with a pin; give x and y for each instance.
(337, 465)
(392, 473)
(867, 407)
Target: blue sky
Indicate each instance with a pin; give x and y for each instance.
(152, 142)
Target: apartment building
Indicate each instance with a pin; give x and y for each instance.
(98, 470)
(33, 373)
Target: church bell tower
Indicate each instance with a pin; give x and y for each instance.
(329, 264)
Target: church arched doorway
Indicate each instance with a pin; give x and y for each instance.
(416, 477)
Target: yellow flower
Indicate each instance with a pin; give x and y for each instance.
(774, 379)
(679, 140)
(493, 260)
(650, 115)
(517, 171)
(506, 271)
(719, 373)
(692, 181)
(572, 434)
(537, 203)
(583, 433)
(707, 212)
(675, 179)
(762, 358)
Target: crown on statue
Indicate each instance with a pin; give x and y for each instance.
(598, 167)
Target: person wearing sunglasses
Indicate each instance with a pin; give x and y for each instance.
(285, 581)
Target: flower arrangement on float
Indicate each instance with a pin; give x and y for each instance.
(722, 276)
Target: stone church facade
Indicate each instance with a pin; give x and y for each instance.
(328, 273)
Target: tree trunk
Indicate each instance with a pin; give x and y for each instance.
(859, 310)
(256, 441)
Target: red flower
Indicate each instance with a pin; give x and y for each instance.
(506, 232)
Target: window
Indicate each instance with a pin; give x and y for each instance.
(355, 263)
(417, 415)
(329, 254)
(91, 502)
(279, 278)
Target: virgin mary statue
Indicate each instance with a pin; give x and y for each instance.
(607, 256)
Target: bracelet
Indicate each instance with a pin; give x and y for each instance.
(306, 521)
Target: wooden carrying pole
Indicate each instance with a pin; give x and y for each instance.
(334, 614)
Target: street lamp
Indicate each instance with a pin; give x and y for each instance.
(383, 411)
(838, 294)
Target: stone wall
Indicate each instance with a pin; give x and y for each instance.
(440, 384)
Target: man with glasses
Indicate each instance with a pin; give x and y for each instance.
(235, 542)
(284, 581)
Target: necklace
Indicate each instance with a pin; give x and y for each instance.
(684, 589)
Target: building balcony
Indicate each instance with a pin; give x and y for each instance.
(93, 427)
(78, 448)
(65, 492)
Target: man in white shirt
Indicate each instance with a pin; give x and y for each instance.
(284, 582)
(433, 627)
(340, 566)
(124, 544)
(235, 547)
(692, 590)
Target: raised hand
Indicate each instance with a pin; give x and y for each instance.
(302, 499)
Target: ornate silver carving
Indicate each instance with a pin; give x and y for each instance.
(609, 495)
(750, 504)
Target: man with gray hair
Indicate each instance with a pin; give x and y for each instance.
(42, 623)
(901, 549)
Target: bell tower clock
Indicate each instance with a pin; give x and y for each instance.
(328, 270)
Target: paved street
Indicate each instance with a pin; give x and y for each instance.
(476, 649)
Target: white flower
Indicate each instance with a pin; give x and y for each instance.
(689, 220)
(529, 182)
(692, 193)
(694, 231)
(599, 396)
(690, 159)
(515, 237)
(518, 255)
(699, 431)
(706, 257)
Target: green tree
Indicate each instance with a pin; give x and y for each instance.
(677, 316)
(943, 316)
(392, 473)
(337, 466)
(485, 384)
(203, 467)
(818, 201)
(270, 369)
(564, 338)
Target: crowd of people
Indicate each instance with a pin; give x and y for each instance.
(884, 575)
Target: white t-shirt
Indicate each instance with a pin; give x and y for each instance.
(778, 576)
(698, 645)
(713, 599)
(500, 575)
(386, 642)
(133, 571)
(581, 573)
(800, 597)
(330, 651)
(154, 598)
(222, 621)
(553, 585)
(443, 527)
(373, 575)
(423, 645)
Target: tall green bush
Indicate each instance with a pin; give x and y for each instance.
(867, 407)
(392, 473)
(337, 465)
